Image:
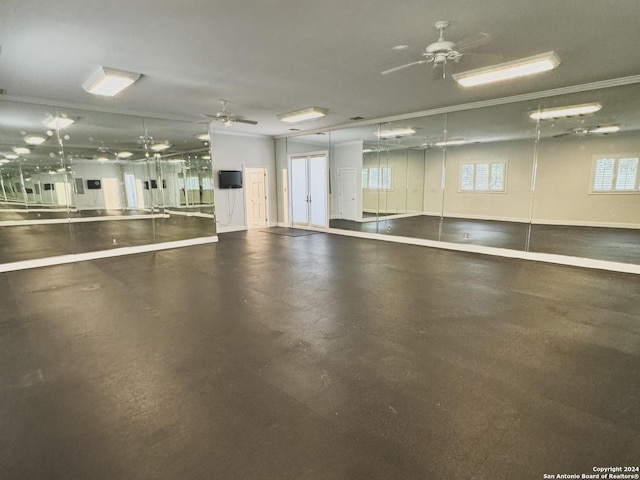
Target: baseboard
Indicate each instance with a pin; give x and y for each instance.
(53, 221)
(116, 252)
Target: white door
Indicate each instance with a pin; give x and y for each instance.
(131, 190)
(256, 197)
(111, 189)
(347, 193)
(309, 199)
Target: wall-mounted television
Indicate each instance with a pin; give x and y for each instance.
(94, 184)
(49, 186)
(230, 178)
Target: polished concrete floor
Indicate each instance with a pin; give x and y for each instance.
(611, 244)
(316, 356)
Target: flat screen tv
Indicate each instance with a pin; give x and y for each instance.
(230, 178)
(49, 186)
(94, 184)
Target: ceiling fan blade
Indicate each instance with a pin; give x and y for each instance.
(395, 69)
(474, 41)
(242, 120)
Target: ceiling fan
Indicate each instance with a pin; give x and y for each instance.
(443, 51)
(228, 118)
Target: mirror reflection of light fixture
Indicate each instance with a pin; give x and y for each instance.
(4, 160)
(58, 122)
(302, 115)
(563, 112)
(395, 132)
(159, 147)
(124, 154)
(34, 139)
(605, 129)
(228, 122)
(21, 150)
(204, 137)
(108, 82)
(450, 142)
(508, 70)
(11, 156)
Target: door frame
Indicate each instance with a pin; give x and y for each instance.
(355, 189)
(316, 153)
(247, 193)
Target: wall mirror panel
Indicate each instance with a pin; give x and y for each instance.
(77, 181)
(498, 176)
(587, 192)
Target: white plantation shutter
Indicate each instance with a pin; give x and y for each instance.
(497, 177)
(627, 173)
(466, 177)
(482, 176)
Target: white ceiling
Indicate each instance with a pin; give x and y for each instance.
(270, 57)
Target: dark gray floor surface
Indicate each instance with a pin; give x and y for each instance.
(316, 357)
(600, 243)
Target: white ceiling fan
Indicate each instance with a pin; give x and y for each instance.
(443, 51)
(228, 118)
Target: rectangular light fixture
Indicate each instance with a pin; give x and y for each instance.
(506, 71)
(605, 129)
(59, 122)
(563, 112)
(395, 132)
(302, 115)
(109, 82)
(451, 142)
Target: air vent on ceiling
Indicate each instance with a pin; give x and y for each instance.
(357, 118)
(3, 91)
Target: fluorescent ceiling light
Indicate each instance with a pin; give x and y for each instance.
(605, 129)
(11, 156)
(34, 139)
(59, 122)
(21, 150)
(4, 160)
(205, 137)
(206, 157)
(450, 142)
(395, 132)
(562, 112)
(109, 82)
(124, 154)
(302, 115)
(158, 147)
(506, 71)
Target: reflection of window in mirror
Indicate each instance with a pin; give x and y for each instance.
(483, 177)
(376, 178)
(615, 174)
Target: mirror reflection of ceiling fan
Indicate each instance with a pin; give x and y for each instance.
(444, 51)
(228, 118)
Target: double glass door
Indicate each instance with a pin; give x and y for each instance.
(309, 191)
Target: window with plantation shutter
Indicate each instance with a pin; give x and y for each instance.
(483, 177)
(615, 174)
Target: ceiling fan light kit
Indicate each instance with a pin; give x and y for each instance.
(109, 82)
(543, 62)
(58, 122)
(302, 115)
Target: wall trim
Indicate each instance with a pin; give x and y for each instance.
(229, 229)
(500, 252)
(50, 221)
(116, 252)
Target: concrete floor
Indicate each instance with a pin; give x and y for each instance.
(316, 356)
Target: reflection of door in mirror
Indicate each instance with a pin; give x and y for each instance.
(111, 194)
(347, 193)
(131, 190)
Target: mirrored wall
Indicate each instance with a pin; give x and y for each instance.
(75, 181)
(554, 174)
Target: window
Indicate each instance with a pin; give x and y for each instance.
(375, 178)
(616, 174)
(483, 177)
